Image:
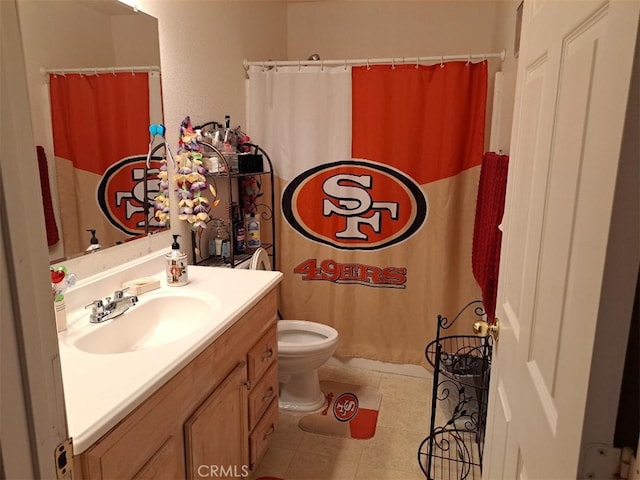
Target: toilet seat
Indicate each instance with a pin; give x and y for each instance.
(299, 336)
(260, 260)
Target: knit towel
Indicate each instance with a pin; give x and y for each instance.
(485, 257)
(49, 218)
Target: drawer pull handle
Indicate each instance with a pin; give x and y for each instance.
(268, 354)
(268, 395)
(248, 384)
(272, 429)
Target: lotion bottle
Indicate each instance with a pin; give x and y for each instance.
(238, 233)
(253, 231)
(177, 274)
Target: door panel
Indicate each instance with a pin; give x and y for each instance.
(216, 434)
(572, 88)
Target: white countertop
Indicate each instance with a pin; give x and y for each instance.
(101, 389)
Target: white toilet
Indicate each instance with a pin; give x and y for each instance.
(303, 347)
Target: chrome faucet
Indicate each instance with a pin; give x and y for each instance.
(103, 310)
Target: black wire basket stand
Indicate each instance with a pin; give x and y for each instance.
(461, 367)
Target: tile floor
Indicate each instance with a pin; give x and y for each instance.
(403, 422)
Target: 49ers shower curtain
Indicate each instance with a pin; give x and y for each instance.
(377, 170)
(100, 136)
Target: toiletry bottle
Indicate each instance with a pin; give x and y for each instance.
(253, 231)
(227, 132)
(238, 233)
(94, 245)
(177, 275)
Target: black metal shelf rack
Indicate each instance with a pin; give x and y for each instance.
(461, 366)
(263, 208)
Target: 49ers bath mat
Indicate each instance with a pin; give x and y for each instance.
(351, 412)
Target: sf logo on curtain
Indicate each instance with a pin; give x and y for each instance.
(121, 194)
(354, 205)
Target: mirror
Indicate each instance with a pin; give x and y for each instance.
(96, 167)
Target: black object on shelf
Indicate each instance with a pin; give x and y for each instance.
(250, 163)
(461, 366)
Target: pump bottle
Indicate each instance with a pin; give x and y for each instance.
(177, 274)
(94, 244)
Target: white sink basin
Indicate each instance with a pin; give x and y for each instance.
(155, 321)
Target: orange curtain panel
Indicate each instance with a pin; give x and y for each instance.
(100, 134)
(427, 121)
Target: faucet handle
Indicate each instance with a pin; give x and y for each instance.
(118, 294)
(96, 305)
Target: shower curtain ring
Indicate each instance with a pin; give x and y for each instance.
(441, 61)
(468, 59)
(345, 64)
(368, 66)
(417, 62)
(393, 63)
(322, 65)
(299, 65)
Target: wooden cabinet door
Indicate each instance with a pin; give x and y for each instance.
(167, 462)
(216, 434)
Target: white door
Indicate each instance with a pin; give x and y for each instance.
(571, 95)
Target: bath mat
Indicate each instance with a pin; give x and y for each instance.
(352, 411)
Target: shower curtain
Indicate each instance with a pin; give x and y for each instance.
(101, 135)
(377, 169)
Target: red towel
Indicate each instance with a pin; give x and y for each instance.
(49, 218)
(485, 257)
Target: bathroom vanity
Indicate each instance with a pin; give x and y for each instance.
(199, 405)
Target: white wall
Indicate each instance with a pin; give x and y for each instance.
(135, 40)
(347, 29)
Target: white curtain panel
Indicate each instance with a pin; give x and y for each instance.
(300, 115)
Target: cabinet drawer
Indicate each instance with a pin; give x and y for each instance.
(259, 439)
(262, 395)
(263, 355)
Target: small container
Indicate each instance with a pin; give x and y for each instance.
(239, 234)
(61, 315)
(177, 264)
(226, 250)
(253, 231)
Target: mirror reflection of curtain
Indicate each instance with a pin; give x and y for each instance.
(99, 121)
(426, 124)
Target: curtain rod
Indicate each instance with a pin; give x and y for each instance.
(98, 70)
(373, 61)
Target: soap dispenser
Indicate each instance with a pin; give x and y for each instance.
(94, 245)
(176, 265)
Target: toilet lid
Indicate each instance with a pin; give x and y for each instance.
(260, 260)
